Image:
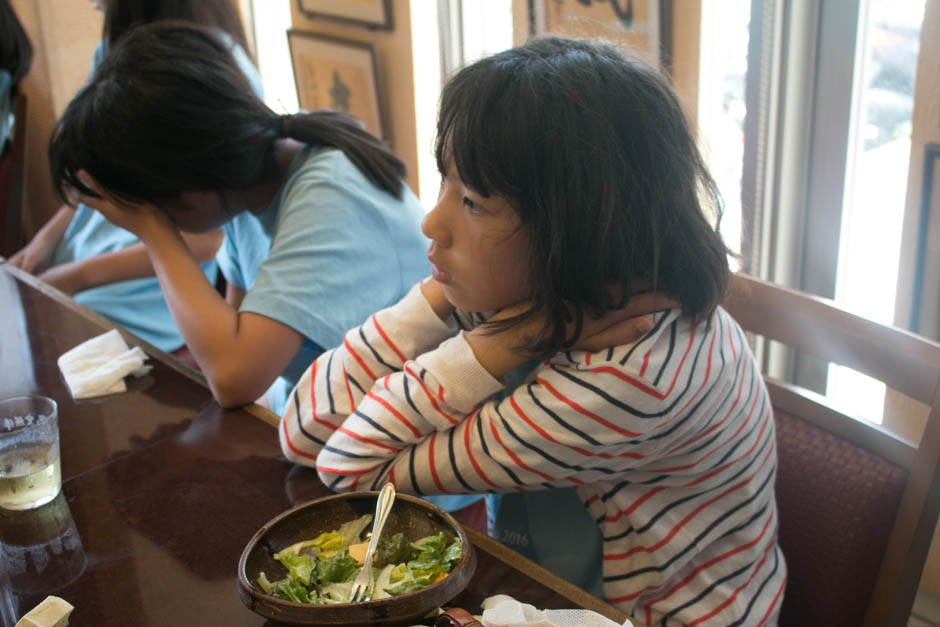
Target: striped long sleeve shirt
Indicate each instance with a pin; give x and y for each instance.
(668, 441)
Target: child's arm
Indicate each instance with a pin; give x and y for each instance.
(240, 354)
(382, 346)
(38, 252)
(128, 263)
(431, 429)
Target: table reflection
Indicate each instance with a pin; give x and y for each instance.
(40, 549)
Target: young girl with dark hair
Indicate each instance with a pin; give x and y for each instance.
(572, 193)
(105, 267)
(320, 228)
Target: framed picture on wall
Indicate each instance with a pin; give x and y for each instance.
(338, 74)
(642, 25)
(369, 13)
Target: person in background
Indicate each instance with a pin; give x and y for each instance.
(103, 266)
(16, 55)
(320, 228)
(573, 199)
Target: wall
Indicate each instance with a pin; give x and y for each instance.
(63, 34)
(396, 73)
(571, 18)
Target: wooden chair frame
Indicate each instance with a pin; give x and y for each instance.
(905, 362)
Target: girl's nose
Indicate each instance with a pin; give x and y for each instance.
(433, 225)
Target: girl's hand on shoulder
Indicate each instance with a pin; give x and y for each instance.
(621, 326)
(141, 219)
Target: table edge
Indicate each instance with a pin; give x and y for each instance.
(261, 413)
(546, 577)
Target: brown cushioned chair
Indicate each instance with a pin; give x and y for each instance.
(858, 505)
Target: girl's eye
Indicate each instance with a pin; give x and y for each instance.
(470, 205)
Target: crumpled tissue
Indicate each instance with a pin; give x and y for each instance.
(98, 366)
(504, 611)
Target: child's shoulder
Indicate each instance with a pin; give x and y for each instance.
(677, 350)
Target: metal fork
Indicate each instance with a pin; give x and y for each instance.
(362, 587)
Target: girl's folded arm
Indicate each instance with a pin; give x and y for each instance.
(338, 381)
(430, 429)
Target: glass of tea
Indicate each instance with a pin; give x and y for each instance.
(30, 473)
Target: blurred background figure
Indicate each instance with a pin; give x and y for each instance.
(16, 54)
(104, 267)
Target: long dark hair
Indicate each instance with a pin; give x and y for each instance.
(122, 15)
(16, 52)
(168, 111)
(592, 150)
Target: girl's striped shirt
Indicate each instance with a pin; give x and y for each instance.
(669, 442)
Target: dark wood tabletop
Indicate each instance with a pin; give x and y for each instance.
(162, 489)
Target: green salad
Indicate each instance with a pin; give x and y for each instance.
(322, 570)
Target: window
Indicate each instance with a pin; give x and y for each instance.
(467, 30)
(826, 153)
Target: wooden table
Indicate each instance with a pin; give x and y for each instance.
(162, 488)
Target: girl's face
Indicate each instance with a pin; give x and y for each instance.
(478, 248)
(199, 212)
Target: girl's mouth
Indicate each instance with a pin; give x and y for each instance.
(439, 275)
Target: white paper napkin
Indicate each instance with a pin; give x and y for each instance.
(98, 366)
(504, 611)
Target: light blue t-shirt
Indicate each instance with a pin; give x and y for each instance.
(137, 304)
(329, 251)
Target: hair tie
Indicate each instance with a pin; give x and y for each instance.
(285, 124)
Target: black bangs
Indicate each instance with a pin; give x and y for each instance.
(479, 127)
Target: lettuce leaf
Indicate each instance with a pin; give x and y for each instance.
(432, 564)
(354, 528)
(338, 592)
(266, 584)
(382, 582)
(336, 569)
(329, 543)
(290, 590)
(395, 550)
(300, 568)
(451, 556)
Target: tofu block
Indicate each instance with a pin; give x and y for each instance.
(52, 612)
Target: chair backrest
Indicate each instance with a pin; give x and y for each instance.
(857, 504)
(12, 168)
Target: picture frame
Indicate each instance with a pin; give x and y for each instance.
(374, 14)
(338, 74)
(644, 26)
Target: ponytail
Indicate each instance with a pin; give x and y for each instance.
(342, 131)
(168, 110)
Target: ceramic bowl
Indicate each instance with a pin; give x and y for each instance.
(413, 517)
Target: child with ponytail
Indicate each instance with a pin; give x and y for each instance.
(320, 228)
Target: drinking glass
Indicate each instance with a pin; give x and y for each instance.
(30, 473)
